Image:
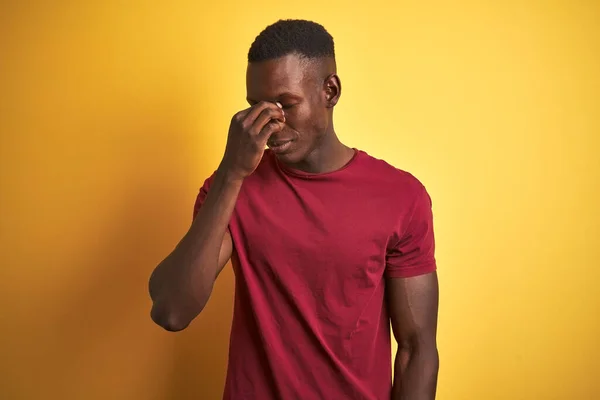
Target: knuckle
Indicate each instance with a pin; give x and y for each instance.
(267, 130)
(245, 125)
(251, 130)
(239, 122)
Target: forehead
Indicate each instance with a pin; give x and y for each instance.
(266, 80)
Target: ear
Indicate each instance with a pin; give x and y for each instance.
(333, 90)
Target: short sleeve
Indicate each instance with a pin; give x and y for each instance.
(202, 194)
(412, 252)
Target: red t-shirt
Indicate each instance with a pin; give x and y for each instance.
(311, 252)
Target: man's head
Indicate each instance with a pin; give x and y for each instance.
(293, 62)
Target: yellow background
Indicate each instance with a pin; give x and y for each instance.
(112, 115)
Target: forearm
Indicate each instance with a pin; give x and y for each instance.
(415, 373)
(182, 283)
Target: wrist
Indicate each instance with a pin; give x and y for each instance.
(227, 176)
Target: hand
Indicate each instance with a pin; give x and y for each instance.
(248, 134)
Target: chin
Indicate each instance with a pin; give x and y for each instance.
(290, 157)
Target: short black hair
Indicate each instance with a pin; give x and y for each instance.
(308, 39)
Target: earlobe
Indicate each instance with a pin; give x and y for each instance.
(333, 89)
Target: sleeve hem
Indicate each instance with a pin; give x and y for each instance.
(411, 272)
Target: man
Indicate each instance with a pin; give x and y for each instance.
(328, 244)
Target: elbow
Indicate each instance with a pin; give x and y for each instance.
(174, 313)
(169, 318)
(418, 343)
(425, 351)
(432, 363)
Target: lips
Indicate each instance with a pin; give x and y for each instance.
(280, 146)
(278, 142)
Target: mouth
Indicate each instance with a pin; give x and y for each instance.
(279, 146)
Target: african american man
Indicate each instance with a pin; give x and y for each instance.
(329, 245)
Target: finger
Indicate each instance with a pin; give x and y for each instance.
(266, 116)
(257, 109)
(269, 129)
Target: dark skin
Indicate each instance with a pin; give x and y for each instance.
(308, 91)
(413, 308)
(290, 99)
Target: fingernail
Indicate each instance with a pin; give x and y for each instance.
(279, 105)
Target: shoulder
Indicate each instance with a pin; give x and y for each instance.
(398, 180)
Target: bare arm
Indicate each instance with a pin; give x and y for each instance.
(413, 305)
(181, 284)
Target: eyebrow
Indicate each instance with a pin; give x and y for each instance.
(284, 94)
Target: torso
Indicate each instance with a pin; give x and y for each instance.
(310, 320)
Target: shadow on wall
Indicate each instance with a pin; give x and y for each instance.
(102, 332)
